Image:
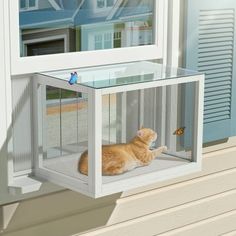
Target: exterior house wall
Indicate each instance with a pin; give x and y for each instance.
(198, 204)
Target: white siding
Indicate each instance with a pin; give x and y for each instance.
(199, 204)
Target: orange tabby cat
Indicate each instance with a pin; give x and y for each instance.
(119, 158)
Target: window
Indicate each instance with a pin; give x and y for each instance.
(105, 3)
(117, 39)
(78, 28)
(26, 5)
(74, 22)
(98, 42)
(103, 41)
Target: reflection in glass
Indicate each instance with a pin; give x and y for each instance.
(65, 123)
(32, 3)
(50, 27)
(22, 4)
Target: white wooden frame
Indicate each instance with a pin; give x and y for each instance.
(95, 187)
(23, 65)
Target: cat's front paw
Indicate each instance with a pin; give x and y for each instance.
(164, 148)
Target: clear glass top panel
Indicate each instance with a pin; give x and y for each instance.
(120, 74)
(62, 26)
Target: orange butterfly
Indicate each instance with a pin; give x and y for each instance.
(179, 131)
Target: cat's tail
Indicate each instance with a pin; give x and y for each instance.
(83, 163)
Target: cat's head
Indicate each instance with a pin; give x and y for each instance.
(147, 135)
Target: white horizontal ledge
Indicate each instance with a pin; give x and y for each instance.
(24, 184)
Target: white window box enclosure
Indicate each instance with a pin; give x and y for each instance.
(108, 105)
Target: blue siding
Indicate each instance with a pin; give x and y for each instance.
(210, 42)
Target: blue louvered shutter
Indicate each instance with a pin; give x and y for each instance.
(211, 48)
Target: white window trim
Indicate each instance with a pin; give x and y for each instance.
(28, 8)
(25, 65)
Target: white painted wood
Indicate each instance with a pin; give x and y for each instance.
(161, 116)
(95, 142)
(59, 83)
(7, 212)
(3, 103)
(42, 120)
(3, 125)
(173, 33)
(74, 184)
(198, 119)
(149, 178)
(123, 117)
(218, 225)
(23, 185)
(159, 24)
(21, 122)
(195, 189)
(167, 220)
(67, 165)
(172, 60)
(171, 115)
(7, 91)
(141, 109)
(37, 125)
(213, 162)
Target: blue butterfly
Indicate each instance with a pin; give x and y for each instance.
(73, 78)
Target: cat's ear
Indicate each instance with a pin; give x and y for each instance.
(140, 133)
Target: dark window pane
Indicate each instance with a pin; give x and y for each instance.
(32, 3)
(22, 4)
(43, 48)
